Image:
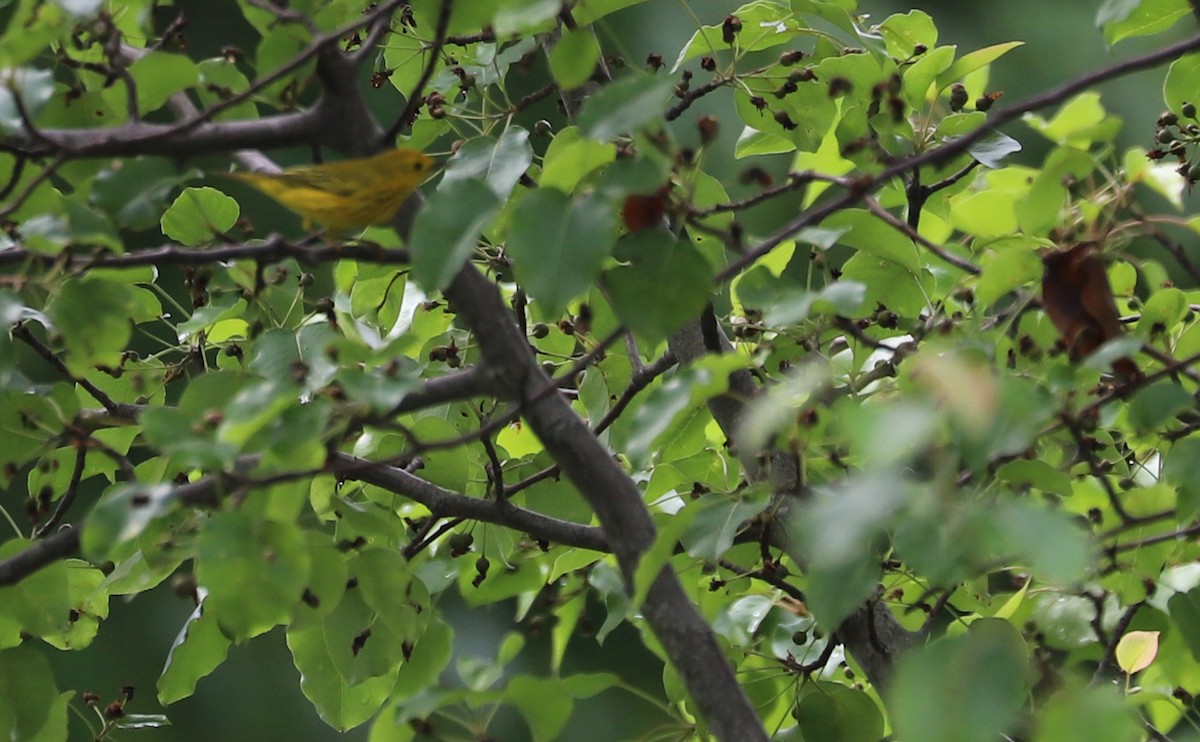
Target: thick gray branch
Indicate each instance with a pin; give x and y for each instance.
(684, 634)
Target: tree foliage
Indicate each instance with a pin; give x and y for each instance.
(838, 430)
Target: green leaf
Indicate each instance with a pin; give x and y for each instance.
(834, 534)
(135, 191)
(1163, 311)
(872, 236)
(785, 304)
(717, 520)
(1185, 614)
(1051, 542)
(156, 77)
(1123, 19)
(574, 58)
(685, 389)
(92, 316)
(1081, 120)
(446, 230)
(525, 16)
(199, 215)
(1156, 404)
(668, 284)
(1096, 713)
(975, 60)
(28, 697)
(40, 604)
(430, 656)
(836, 713)
(237, 557)
(500, 163)
(122, 515)
(1182, 469)
(624, 107)
(765, 23)
(530, 694)
(969, 688)
(198, 649)
(340, 704)
(559, 244)
(570, 157)
(1005, 271)
(904, 32)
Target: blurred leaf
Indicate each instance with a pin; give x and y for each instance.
(1156, 404)
(1004, 271)
(570, 157)
(237, 557)
(574, 58)
(1123, 19)
(963, 689)
(1182, 469)
(992, 149)
(559, 244)
(446, 230)
(668, 284)
(29, 700)
(125, 511)
(523, 16)
(1185, 614)
(624, 106)
(1182, 82)
(93, 317)
(836, 713)
(499, 163)
(1094, 713)
(717, 521)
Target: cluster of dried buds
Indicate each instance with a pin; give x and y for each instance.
(1174, 138)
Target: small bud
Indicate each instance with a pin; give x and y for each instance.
(730, 28)
(708, 64)
(654, 62)
(784, 120)
(958, 96)
(1188, 110)
(709, 128)
(985, 101)
(839, 86)
(787, 59)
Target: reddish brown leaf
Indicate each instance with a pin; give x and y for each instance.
(1079, 300)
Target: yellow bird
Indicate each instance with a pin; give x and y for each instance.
(347, 195)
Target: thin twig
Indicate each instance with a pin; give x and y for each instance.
(68, 498)
(907, 230)
(861, 187)
(416, 96)
(115, 408)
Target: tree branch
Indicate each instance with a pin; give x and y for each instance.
(685, 636)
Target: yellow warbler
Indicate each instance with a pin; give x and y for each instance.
(350, 194)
